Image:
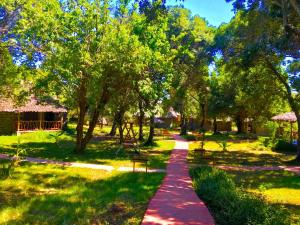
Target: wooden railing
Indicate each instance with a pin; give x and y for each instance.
(39, 125)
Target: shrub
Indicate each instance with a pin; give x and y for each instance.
(190, 137)
(284, 146)
(233, 206)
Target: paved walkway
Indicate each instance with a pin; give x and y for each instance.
(85, 165)
(176, 203)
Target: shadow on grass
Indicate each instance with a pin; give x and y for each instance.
(284, 186)
(64, 151)
(118, 199)
(242, 158)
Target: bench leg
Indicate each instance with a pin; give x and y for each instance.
(133, 166)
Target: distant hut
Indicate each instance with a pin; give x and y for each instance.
(247, 126)
(32, 115)
(289, 117)
(286, 117)
(172, 118)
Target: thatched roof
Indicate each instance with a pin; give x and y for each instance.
(172, 113)
(285, 117)
(31, 105)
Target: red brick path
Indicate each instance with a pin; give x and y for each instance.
(176, 202)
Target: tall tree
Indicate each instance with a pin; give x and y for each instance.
(258, 34)
(190, 39)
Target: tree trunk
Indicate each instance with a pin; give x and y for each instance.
(239, 124)
(151, 132)
(141, 121)
(82, 104)
(215, 126)
(81, 141)
(298, 140)
(119, 121)
(183, 125)
(203, 111)
(121, 134)
(113, 130)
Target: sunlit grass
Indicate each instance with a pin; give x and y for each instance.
(279, 187)
(44, 194)
(43, 144)
(244, 152)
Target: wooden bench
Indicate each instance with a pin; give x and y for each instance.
(140, 158)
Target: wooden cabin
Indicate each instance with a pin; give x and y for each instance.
(32, 115)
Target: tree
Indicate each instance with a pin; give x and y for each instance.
(86, 53)
(154, 82)
(255, 35)
(190, 39)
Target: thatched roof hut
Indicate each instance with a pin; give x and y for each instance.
(33, 114)
(172, 114)
(285, 117)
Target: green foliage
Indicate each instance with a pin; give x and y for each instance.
(224, 145)
(231, 205)
(190, 137)
(33, 194)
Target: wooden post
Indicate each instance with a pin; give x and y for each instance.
(18, 125)
(61, 121)
(40, 119)
(291, 136)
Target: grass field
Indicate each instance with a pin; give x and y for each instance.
(239, 152)
(280, 187)
(44, 194)
(43, 144)
(48, 194)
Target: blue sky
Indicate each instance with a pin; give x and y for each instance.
(214, 11)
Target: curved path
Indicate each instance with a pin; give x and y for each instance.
(176, 203)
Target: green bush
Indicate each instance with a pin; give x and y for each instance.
(284, 146)
(232, 206)
(190, 137)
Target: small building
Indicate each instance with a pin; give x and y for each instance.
(33, 114)
(170, 120)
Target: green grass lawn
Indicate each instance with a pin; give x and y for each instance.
(46, 194)
(42, 144)
(280, 187)
(240, 152)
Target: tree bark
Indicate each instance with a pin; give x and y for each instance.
(239, 124)
(81, 140)
(82, 104)
(120, 121)
(298, 140)
(203, 111)
(215, 126)
(151, 132)
(113, 130)
(183, 125)
(141, 121)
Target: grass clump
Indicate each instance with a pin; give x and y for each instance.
(190, 137)
(231, 205)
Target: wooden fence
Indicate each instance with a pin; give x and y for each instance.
(39, 125)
